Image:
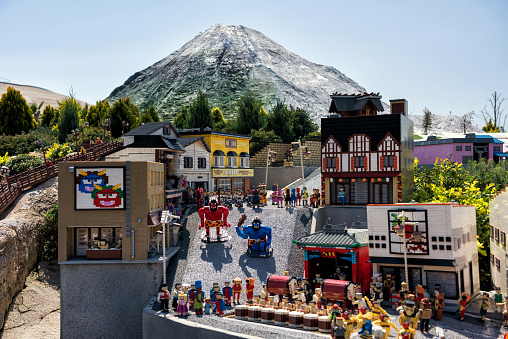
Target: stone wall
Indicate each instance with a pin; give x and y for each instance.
(284, 155)
(18, 239)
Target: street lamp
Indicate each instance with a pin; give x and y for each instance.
(75, 133)
(104, 127)
(295, 146)
(271, 156)
(167, 217)
(400, 230)
(40, 143)
(4, 170)
(85, 125)
(124, 124)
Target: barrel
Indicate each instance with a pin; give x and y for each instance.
(295, 319)
(267, 315)
(282, 285)
(310, 322)
(324, 324)
(254, 313)
(241, 312)
(281, 317)
(338, 290)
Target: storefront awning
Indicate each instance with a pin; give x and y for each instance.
(244, 155)
(232, 154)
(501, 154)
(411, 261)
(218, 152)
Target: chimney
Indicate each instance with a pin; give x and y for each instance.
(398, 106)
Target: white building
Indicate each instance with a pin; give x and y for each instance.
(446, 254)
(195, 163)
(498, 229)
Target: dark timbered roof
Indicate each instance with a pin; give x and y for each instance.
(335, 236)
(354, 102)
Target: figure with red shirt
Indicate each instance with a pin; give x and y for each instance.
(463, 303)
(199, 196)
(249, 289)
(227, 293)
(237, 289)
(214, 216)
(219, 306)
(163, 298)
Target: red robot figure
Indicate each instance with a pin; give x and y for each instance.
(214, 216)
(237, 289)
(199, 196)
(249, 289)
(227, 293)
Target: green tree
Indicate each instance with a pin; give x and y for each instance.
(448, 181)
(83, 113)
(497, 114)
(490, 127)
(98, 113)
(219, 123)
(301, 124)
(200, 113)
(123, 110)
(261, 138)
(48, 115)
(47, 232)
(250, 115)
(36, 109)
(180, 120)
(426, 120)
(279, 121)
(153, 114)
(69, 116)
(15, 114)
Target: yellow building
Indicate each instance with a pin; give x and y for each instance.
(230, 159)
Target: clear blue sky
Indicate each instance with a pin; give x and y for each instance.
(445, 55)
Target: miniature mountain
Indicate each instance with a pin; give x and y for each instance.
(226, 62)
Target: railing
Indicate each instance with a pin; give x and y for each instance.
(13, 186)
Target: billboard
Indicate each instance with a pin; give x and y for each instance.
(99, 188)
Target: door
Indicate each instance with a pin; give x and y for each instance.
(462, 288)
(81, 241)
(471, 277)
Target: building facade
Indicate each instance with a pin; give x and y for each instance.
(461, 150)
(498, 230)
(445, 252)
(195, 163)
(366, 157)
(229, 157)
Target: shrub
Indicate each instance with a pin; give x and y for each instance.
(47, 233)
(4, 159)
(58, 151)
(23, 163)
(25, 143)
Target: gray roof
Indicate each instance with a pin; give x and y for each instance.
(190, 140)
(155, 141)
(173, 143)
(349, 103)
(150, 127)
(335, 236)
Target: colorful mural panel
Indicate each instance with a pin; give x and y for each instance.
(99, 188)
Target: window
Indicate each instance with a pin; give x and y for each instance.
(371, 237)
(441, 239)
(367, 112)
(434, 238)
(187, 162)
(497, 148)
(458, 243)
(498, 264)
(434, 247)
(244, 162)
(218, 161)
(441, 247)
(383, 245)
(412, 247)
(383, 237)
(376, 237)
(448, 247)
(468, 148)
(491, 258)
(458, 148)
(238, 184)
(492, 231)
(377, 245)
(359, 162)
(448, 239)
(388, 161)
(330, 162)
(466, 159)
(503, 238)
(231, 143)
(371, 245)
(225, 184)
(201, 162)
(232, 161)
(496, 234)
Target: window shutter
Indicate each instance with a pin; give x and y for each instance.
(365, 165)
(337, 164)
(394, 162)
(382, 164)
(352, 163)
(324, 164)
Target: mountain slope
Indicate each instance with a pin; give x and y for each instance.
(228, 61)
(36, 95)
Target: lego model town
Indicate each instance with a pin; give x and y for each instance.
(339, 253)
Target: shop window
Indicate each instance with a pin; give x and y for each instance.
(458, 148)
(447, 280)
(496, 234)
(225, 184)
(388, 161)
(468, 148)
(187, 162)
(238, 184)
(497, 148)
(201, 162)
(503, 238)
(359, 162)
(231, 143)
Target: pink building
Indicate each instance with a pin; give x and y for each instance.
(461, 150)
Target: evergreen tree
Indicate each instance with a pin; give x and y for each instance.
(200, 113)
(83, 113)
(153, 114)
(98, 113)
(56, 119)
(123, 110)
(181, 119)
(279, 121)
(15, 114)
(301, 124)
(48, 114)
(36, 110)
(69, 117)
(427, 120)
(219, 123)
(490, 127)
(250, 115)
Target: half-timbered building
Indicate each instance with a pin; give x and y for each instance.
(367, 154)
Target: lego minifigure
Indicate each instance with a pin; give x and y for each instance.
(190, 295)
(256, 200)
(280, 198)
(199, 196)
(341, 196)
(312, 308)
(338, 329)
(462, 308)
(175, 294)
(208, 306)
(305, 197)
(334, 314)
(163, 298)
(403, 292)
(214, 216)
(420, 294)
(406, 330)
(299, 196)
(317, 298)
(293, 197)
(315, 198)
(249, 289)
(264, 294)
(213, 292)
(219, 306)
(259, 237)
(366, 331)
(425, 315)
(182, 309)
(237, 289)
(306, 290)
(287, 198)
(359, 302)
(498, 300)
(257, 300)
(375, 309)
(409, 314)
(386, 324)
(199, 296)
(361, 317)
(349, 321)
(505, 312)
(227, 293)
(438, 306)
(299, 306)
(379, 287)
(378, 332)
(270, 303)
(317, 281)
(485, 306)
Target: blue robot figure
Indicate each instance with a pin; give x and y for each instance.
(259, 237)
(293, 197)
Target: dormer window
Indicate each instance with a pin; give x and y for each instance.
(166, 130)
